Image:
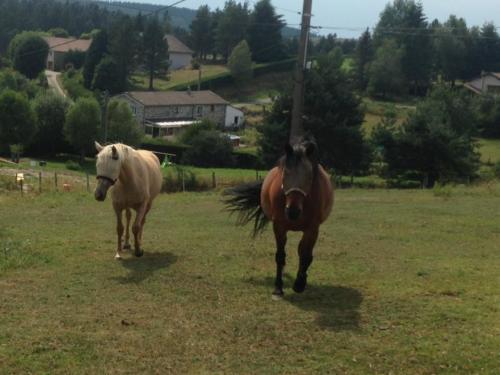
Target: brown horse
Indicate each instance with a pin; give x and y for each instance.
(136, 179)
(296, 195)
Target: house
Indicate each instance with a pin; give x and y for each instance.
(234, 118)
(488, 83)
(180, 55)
(59, 47)
(167, 113)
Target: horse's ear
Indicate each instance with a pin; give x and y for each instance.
(310, 149)
(289, 149)
(114, 153)
(98, 147)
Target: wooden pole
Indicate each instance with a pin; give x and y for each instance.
(55, 179)
(40, 182)
(88, 183)
(183, 182)
(297, 130)
(214, 183)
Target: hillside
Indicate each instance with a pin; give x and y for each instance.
(179, 16)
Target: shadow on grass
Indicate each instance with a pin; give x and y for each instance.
(142, 268)
(337, 306)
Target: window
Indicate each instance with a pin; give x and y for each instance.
(199, 110)
(236, 119)
(212, 108)
(176, 110)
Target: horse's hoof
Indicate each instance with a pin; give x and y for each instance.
(127, 247)
(139, 253)
(300, 285)
(277, 295)
(118, 257)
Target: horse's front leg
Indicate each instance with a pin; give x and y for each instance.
(119, 231)
(128, 214)
(148, 207)
(137, 229)
(306, 246)
(280, 236)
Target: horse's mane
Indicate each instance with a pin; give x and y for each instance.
(299, 150)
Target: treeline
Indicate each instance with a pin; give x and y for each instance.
(406, 53)
(435, 142)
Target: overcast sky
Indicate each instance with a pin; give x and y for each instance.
(364, 13)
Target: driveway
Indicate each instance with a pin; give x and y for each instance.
(54, 83)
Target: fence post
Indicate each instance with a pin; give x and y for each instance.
(21, 182)
(55, 179)
(183, 182)
(214, 183)
(88, 183)
(40, 182)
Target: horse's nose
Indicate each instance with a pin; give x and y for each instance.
(293, 213)
(99, 195)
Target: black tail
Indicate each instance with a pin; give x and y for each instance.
(245, 201)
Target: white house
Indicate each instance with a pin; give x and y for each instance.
(180, 54)
(488, 83)
(234, 118)
(59, 47)
(167, 113)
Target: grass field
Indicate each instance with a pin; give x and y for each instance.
(490, 150)
(177, 77)
(403, 282)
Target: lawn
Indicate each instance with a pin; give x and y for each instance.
(403, 282)
(490, 150)
(141, 79)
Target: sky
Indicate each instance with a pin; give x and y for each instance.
(344, 15)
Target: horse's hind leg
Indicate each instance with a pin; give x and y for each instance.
(137, 229)
(306, 246)
(148, 207)
(128, 214)
(119, 231)
(280, 236)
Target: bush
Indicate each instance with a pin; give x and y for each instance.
(210, 149)
(442, 191)
(73, 166)
(173, 181)
(496, 169)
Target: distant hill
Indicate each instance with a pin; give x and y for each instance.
(180, 17)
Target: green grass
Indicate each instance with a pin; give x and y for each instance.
(177, 77)
(403, 282)
(376, 109)
(490, 150)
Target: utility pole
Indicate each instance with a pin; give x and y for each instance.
(104, 113)
(297, 130)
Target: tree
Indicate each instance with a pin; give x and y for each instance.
(209, 149)
(397, 19)
(17, 119)
(155, 50)
(58, 32)
(489, 44)
(107, 76)
(240, 63)
(264, 33)
(231, 27)
(450, 55)
(202, 37)
(385, 73)
(74, 58)
(363, 57)
(123, 47)
(437, 140)
(50, 110)
(192, 132)
(332, 113)
(82, 125)
(30, 55)
(487, 111)
(122, 126)
(98, 48)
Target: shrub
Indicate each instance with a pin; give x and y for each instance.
(209, 149)
(73, 166)
(442, 191)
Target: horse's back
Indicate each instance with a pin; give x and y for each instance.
(153, 170)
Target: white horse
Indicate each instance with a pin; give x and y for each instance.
(136, 179)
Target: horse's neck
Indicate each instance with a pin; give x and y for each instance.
(126, 167)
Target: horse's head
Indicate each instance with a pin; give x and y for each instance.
(108, 167)
(299, 169)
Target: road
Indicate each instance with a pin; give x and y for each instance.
(54, 83)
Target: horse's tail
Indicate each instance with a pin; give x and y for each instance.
(244, 200)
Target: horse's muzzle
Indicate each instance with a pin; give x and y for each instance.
(100, 195)
(293, 213)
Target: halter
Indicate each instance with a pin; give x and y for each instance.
(290, 191)
(110, 180)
